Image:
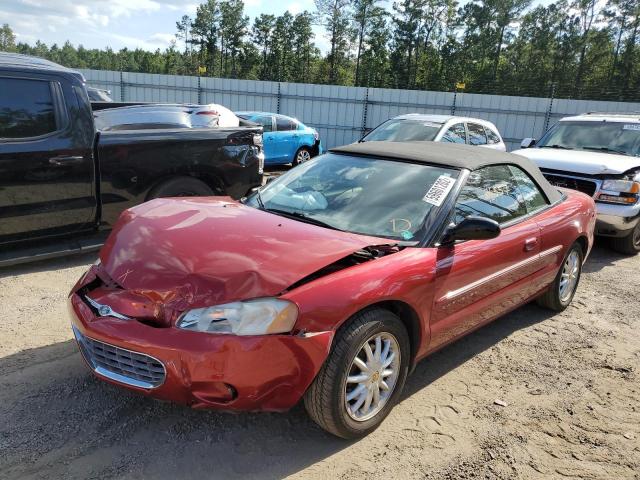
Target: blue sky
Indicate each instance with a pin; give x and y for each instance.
(148, 24)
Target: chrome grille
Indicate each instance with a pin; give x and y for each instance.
(584, 185)
(120, 364)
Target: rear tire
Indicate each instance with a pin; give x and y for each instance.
(181, 187)
(327, 398)
(557, 298)
(629, 245)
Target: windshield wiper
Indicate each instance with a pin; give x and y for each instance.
(259, 199)
(561, 147)
(301, 216)
(607, 149)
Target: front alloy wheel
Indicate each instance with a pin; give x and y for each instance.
(372, 377)
(363, 375)
(302, 155)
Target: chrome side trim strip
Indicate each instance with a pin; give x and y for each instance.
(550, 251)
(462, 290)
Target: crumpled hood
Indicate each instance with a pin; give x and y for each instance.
(196, 252)
(580, 161)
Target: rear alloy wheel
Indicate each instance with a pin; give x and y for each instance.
(363, 375)
(561, 292)
(629, 244)
(181, 187)
(302, 155)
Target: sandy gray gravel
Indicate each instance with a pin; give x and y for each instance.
(533, 395)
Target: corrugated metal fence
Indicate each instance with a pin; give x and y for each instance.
(343, 114)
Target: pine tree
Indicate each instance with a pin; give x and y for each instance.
(335, 17)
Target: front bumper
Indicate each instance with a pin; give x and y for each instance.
(268, 373)
(616, 220)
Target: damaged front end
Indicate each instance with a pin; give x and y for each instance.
(358, 257)
(130, 338)
(192, 290)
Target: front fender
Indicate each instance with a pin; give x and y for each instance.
(407, 276)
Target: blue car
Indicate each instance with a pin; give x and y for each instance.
(285, 139)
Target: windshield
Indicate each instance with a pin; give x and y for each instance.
(383, 198)
(608, 137)
(96, 95)
(403, 130)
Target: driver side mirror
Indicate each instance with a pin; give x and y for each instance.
(527, 142)
(472, 228)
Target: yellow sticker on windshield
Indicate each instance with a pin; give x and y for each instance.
(439, 190)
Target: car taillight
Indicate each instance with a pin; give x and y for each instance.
(212, 113)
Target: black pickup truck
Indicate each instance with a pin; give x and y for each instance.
(63, 184)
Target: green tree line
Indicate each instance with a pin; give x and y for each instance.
(586, 49)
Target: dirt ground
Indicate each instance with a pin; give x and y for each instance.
(569, 385)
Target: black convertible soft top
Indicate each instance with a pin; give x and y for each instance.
(446, 154)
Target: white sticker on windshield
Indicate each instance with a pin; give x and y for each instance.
(439, 190)
(631, 126)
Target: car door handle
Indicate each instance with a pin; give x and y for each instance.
(530, 244)
(65, 161)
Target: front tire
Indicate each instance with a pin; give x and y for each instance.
(561, 292)
(302, 155)
(628, 245)
(363, 376)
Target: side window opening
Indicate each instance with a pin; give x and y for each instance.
(533, 197)
(27, 108)
(283, 124)
(492, 137)
(455, 134)
(266, 122)
(491, 192)
(476, 134)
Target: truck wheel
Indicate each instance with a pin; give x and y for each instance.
(363, 376)
(561, 292)
(180, 187)
(302, 155)
(629, 245)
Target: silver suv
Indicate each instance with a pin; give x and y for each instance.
(598, 154)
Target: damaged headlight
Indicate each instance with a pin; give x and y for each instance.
(625, 186)
(252, 317)
(619, 191)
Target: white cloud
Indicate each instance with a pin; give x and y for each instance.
(162, 38)
(147, 24)
(295, 8)
(95, 23)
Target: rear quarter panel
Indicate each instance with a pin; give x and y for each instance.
(132, 162)
(571, 219)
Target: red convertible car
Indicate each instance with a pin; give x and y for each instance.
(329, 283)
